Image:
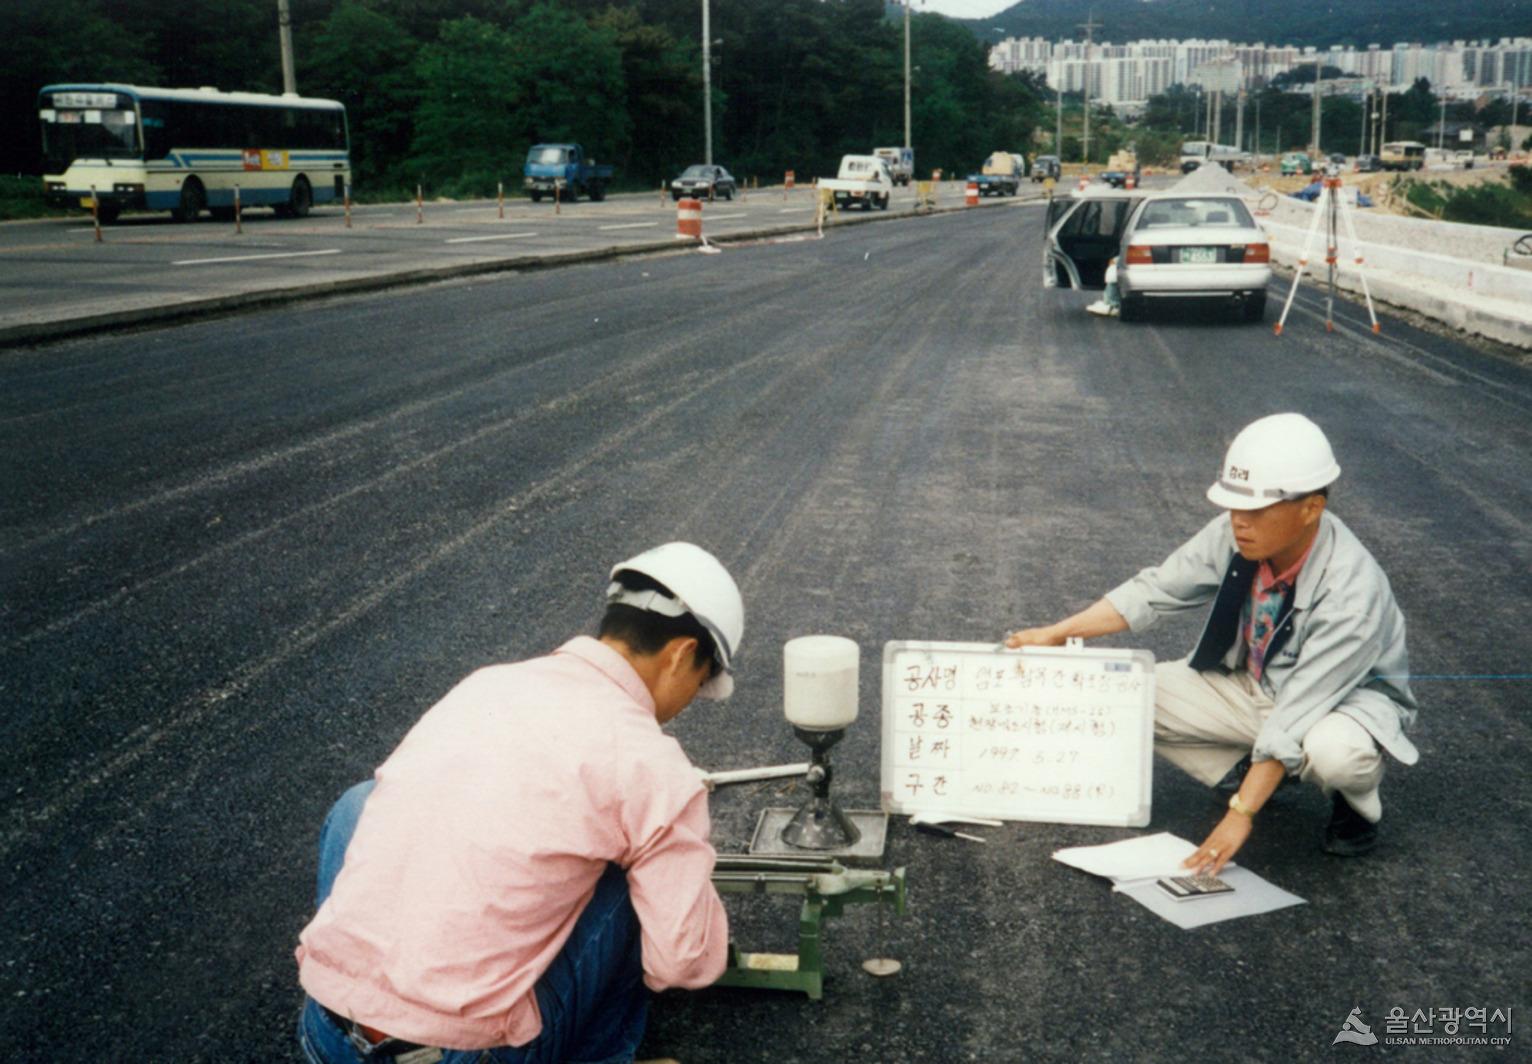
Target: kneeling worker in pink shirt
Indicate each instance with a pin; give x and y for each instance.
(533, 858)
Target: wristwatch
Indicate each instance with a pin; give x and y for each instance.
(1240, 807)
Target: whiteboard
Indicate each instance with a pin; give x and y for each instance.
(1057, 734)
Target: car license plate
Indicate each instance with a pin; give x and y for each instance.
(1199, 254)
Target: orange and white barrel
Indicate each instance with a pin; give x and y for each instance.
(1084, 180)
(689, 220)
(971, 194)
(787, 179)
(1129, 182)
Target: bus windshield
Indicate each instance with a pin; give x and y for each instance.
(79, 133)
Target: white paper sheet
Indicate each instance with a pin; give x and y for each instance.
(1142, 857)
(1252, 896)
(1134, 864)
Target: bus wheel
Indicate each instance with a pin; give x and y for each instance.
(300, 199)
(193, 199)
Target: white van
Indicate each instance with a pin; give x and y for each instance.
(901, 163)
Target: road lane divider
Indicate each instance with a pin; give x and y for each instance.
(251, 258)
(497, 236)
(630, 225)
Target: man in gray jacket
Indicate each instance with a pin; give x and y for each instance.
(1301, 669)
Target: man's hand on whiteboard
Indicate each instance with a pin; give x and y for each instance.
(1221, 846)
(1100, 618)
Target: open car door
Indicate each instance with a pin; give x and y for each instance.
(1084, 234)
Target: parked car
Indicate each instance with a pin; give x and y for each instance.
(1296, 162)
(1045, 166)
(1190, 246)
(1084, 234)
(1368, 164)
(1338, 158)
(704, 182)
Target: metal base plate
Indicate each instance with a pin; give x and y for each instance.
(873, 824)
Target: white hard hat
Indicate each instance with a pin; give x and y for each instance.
(702, 587)
(1283, 456)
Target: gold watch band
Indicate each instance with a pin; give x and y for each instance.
(1240, 807)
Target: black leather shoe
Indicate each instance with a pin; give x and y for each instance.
(1235, 778)
(1349, 833)
(1232, 779)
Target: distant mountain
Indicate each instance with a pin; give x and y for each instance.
(1299, 22)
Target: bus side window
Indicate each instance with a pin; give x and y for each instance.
(156, 129)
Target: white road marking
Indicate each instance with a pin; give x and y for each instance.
(721, 217)
(249, 258)
(794, 210)
(630, 225)
(497, 236)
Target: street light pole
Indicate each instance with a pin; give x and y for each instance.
(285, 36)
(1315, 130)
(1441, 124)
(707, 85)
(907, 141)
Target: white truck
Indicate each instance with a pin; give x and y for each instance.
(863, 179)
(901, 163)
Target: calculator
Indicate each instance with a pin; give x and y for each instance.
(1185, 888)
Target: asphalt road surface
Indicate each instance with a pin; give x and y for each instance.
(242, 556)
(54, 269)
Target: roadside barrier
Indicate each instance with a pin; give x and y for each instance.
(239, 220)
(347, 204)
(95, 212)
(662, 194)
(1129, 183)
(689, 219)
(500, 196)
(925, 195)
(971, 195)
(787, 181)
(1084, 180)
(420, 209)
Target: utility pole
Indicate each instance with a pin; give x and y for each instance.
(1441, 124)
(1058, 118)
(1239, 121)
(908, 143)
(1366, 99)
(1383, 125)
(1090, 25)
(1257, 129)
(1314, 130)
(285, 33)
(707, 84)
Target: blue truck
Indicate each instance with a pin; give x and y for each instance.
(568, 169)
(1000, 176)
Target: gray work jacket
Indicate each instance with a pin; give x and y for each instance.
(1340, 645)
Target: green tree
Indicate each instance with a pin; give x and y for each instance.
(663, 87)
(365, 59)
(470, 124)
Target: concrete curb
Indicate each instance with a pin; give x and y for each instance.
(29, 333)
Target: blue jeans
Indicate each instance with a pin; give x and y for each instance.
(593, 1000)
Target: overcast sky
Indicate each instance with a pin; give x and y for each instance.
(963, 8)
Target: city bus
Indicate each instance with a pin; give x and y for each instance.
(1196, 152)
(185, 150)
(1402, 155)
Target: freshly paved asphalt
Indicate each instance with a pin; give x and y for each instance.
(241, 557)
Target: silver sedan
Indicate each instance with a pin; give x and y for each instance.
(1193, 246)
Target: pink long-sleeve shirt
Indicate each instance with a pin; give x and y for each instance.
(482, 842)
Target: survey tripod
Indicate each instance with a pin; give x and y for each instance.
(1332, 209)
